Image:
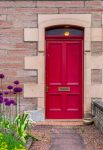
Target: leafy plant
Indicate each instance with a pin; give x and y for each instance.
(22, 122)
(4, 122)
(13, 126)
(8, 142)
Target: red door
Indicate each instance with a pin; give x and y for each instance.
(64, 79)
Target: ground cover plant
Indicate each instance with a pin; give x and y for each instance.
(13, 125)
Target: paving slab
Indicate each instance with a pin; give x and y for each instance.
(66, 139)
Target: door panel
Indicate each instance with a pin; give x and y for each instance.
(55, 49)
(55, 102)
(64, 74)
(73, 57)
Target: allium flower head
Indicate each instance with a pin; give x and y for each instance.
(18, 89)
(6, 99)
(13, 102)
(1, 97)
(2, 76)
(8, 103)
(10, 87)
(1, 100)
(1, 93)
(16, 82)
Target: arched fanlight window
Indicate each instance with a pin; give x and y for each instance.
(64, 30)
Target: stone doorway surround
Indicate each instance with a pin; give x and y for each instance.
(38, 62)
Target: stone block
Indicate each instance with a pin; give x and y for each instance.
(96, 20)
(33, 90)
(36, 115)
(41, 103)
(96, 34)
(85, 10)
(60, 4)
(96, 48)
(93, 4)
(84, 18)
(96, 76)
(34, 62)
(87, 46)
(30, 34)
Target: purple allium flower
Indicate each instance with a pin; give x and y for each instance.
(10, 87)
(6, 99)
(1, 101)
(15, 89)
(1, 93)
(13, 102)
(2, 76)
(6, 92)
(18, 89)
(1, 97)
(8, 103)
(16, 82)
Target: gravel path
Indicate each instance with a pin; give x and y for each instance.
(93, 138)
(67, 138)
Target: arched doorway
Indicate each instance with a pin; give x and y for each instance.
(64, 72)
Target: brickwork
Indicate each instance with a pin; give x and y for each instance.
(17, 15)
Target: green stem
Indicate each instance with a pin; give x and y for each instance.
(3, 109)
(10, 114)
(16, 105)
(1, 85)
(0, 108)
(19, 103)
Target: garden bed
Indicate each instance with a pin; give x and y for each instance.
(43, 137)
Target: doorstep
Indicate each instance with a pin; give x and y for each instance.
(61, 122)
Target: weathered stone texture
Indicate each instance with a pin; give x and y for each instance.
(28, 104)
(60, 4)
(93, 4)
(97, 111)
(96, 19)
(14, 4)
(96, 48)
(96, 76)
(78, 10)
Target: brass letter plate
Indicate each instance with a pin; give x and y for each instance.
(63, 89)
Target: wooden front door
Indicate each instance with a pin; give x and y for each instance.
(64, 78)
